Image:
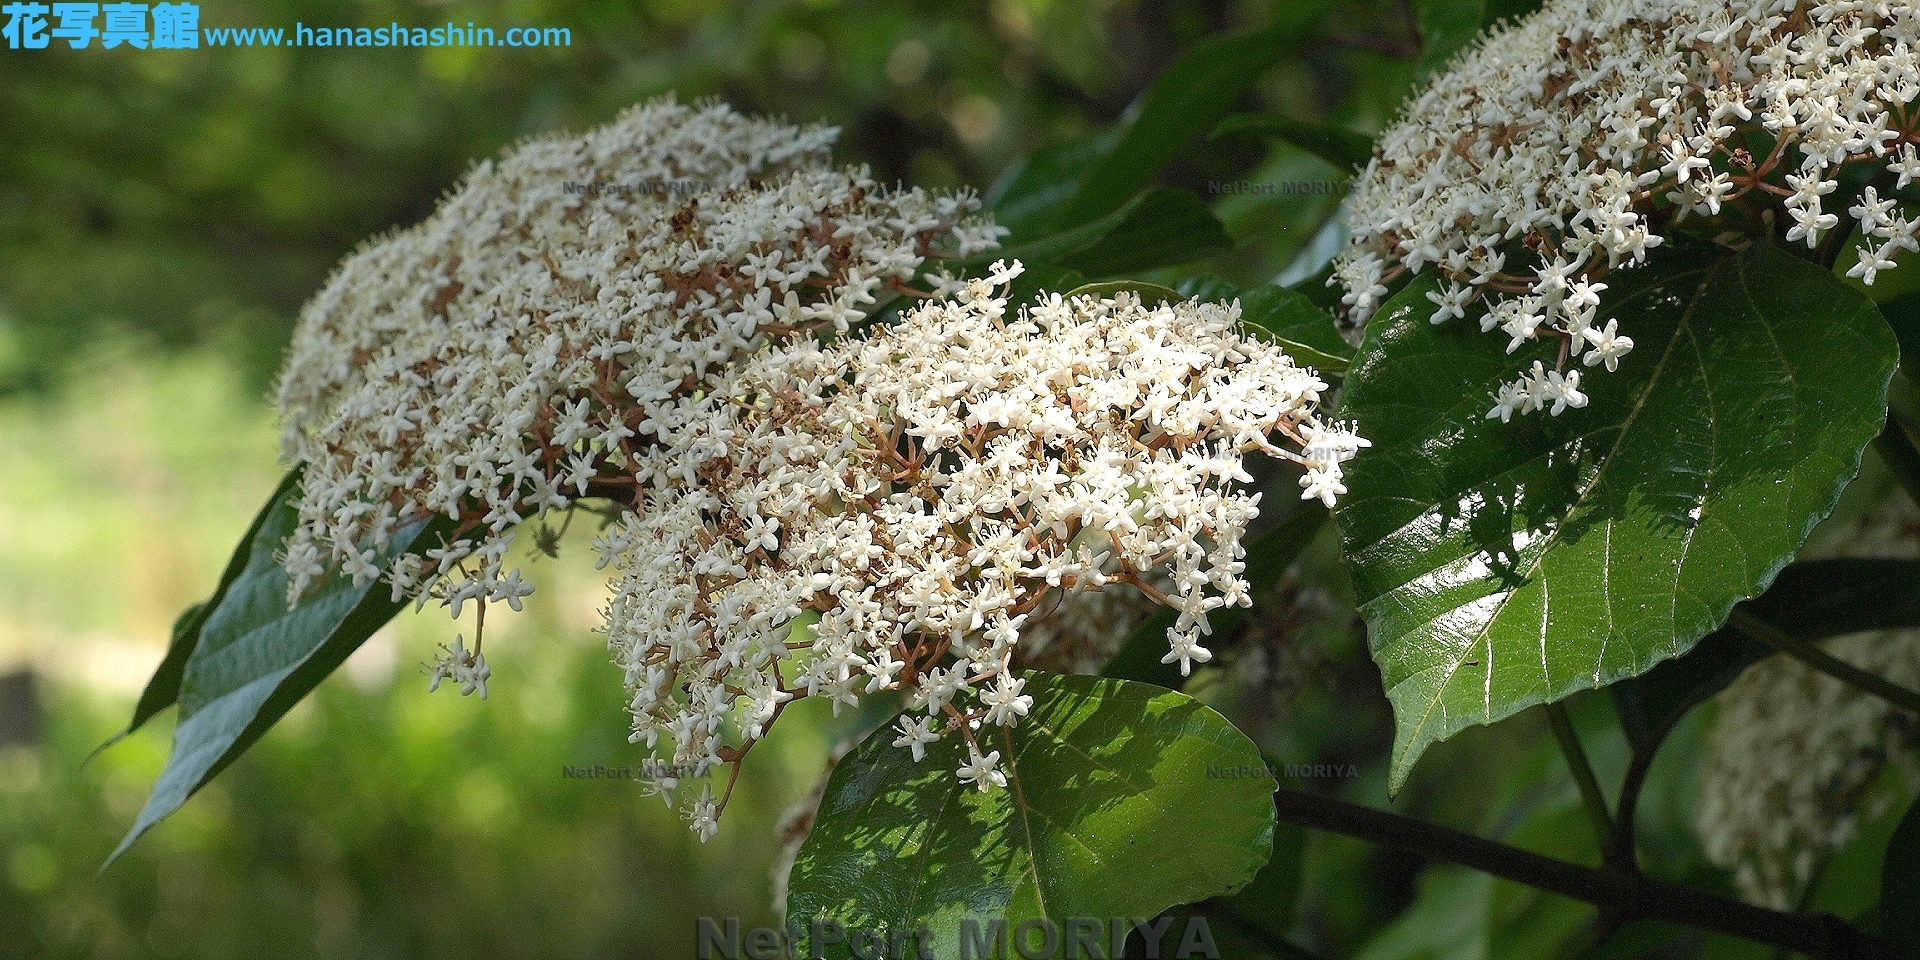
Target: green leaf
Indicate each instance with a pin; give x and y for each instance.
(1207, 286)
(256, 658)
(1344, 149)
(1903, 315)
(1115, 807)
(1042, 278)
(1895, 444)
(1501, 566)
(1155, 229)
(1812, 600)
(1184, 102)
(1252, 923)
(1446, 28)
(1267, 904)
(1031, 189)
(1900, 886)
(1268, 556)
(1306, 332)
(164, 688)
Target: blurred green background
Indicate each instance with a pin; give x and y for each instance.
(163, 216)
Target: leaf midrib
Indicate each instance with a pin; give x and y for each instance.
(1419, 729)
(1021, 804)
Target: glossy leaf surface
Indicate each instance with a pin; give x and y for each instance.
(255, 658)
(1504, 565)
(1123, 799)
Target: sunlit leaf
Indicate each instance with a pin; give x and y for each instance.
(1123, 799)
(256, 658)
(1500, 566)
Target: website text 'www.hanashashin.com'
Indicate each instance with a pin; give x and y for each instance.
(176, 26)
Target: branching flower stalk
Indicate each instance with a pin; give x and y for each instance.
(1567, 146)
(527, 345)
(889, 512)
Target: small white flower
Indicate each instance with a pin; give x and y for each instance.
(1871, 211)
(1318, 483)
(1608, 345)
(1907, 164)
(469, 670)
(915, 734)
(1005, 704)
(1452, 301)
(1563, 391)
(937, 688)
(979, 770)
(705, 818)
(1003, 273)
(1872, 261)
(1511, 398)
(1188, 651)
(882, 668)
(511, 589)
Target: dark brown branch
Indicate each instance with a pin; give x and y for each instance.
(1623, 897)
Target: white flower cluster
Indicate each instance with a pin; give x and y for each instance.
(1795, 755)
(1562, 146)
(889, 512)
(528, 344)
(467, 669)
(661, 313)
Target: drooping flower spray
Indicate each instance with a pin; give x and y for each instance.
(812, 503)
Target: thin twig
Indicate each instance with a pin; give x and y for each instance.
(1823, 661)
(1604, 826)
(1622, 896)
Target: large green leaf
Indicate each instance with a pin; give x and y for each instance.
(1307, 333)
(1501, 566)
(1123, 799)
(1155, 229)
(1184, 102)
(1031, 189)
(1254, 922)
(163, 689)
(1345, 149)
(1903, 314)
(256, 658)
